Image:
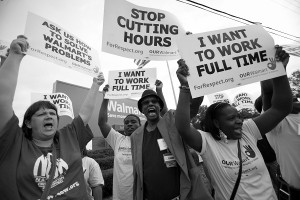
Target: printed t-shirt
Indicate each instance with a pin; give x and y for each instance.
(160, 182)
(285, 140)
(123, 170)
(222, 162)
(24, 168)
(92, 175)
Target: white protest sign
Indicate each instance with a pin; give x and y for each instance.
(228, 58)
(130, 83)
(4, 45)
(138, 32)
(218, 97)
(243, 100)
(292, 49)
(51, 42)
(62, 102)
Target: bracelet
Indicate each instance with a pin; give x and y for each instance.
(183, 87)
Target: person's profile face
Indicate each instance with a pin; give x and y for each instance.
(230, 122)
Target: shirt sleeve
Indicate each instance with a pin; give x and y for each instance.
(249, 126)
(112, 137)
(11, 136)
(95, 175)
(83, 132)
(203, 149)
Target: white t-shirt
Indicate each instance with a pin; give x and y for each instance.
(92, 175)
(285, 140)
(222, 162)
(123, 170)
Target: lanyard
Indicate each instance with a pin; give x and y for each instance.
(240, 172)
(50, 180)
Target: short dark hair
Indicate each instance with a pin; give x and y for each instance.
(31, 111)
(132, 115)
(211, 113)
(258, 104)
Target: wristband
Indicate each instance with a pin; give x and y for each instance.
(183, 87)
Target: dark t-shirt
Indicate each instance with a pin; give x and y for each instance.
(160, 182)
(24, 168)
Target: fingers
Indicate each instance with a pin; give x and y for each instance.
(99, 79)
(181, 62)
(280, 54)
(183, 69)
(19, 45)
(21, 36)
(158, 83)
(106, 87)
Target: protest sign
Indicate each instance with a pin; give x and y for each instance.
(4, 45)
(243, 100)
(130, 83)
(62, 102)
(51, 42)
(138, 32)
(292, 49)
(224, 59)
(218, 97)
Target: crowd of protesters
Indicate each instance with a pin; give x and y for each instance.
(152, 161)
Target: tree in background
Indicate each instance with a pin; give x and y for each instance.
(246, 113)
(294, 80)
(198, 118)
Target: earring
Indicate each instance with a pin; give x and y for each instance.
(223, 136)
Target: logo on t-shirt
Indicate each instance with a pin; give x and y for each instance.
(249, 151)
(42, 167)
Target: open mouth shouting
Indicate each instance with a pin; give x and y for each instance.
(48, 126)
(151, 112)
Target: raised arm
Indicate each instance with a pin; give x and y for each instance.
(102, 119)
(281, 103)
(97, 192)
(159, 86)
(9, 72)
(266, 93)
(182, 116)
(88, 105)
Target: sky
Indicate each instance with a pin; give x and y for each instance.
(84, 19)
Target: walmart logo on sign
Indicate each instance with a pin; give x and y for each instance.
(122, 108)
(272, 64)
